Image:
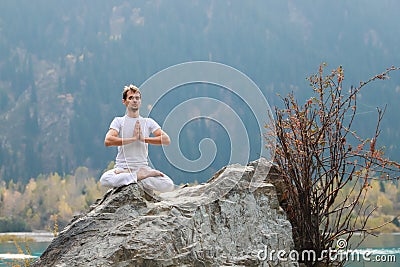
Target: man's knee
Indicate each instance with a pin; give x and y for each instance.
(161, 184)
(166, 185)
(111, 179)
(106, 178)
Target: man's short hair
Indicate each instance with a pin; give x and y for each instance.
(128, 88)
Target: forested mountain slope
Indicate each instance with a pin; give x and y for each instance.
(63, 65)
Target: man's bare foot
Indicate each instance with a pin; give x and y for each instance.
(118, 171)
(144, 173)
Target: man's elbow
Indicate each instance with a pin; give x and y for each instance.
(166, 141)
(107, 143)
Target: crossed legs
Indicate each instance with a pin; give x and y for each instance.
(150, 178)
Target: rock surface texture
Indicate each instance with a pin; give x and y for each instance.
(130, 227)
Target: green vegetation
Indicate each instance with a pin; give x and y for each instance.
(46, 202)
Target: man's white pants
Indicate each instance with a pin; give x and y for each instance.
(157, 183)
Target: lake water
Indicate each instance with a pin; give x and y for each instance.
(383, 250)
(9, 252)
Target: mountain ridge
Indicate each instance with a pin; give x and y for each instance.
(63, 66)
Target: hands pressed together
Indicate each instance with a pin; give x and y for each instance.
(137, 133)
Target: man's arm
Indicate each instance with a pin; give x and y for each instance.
(160, 138)
(112, 139)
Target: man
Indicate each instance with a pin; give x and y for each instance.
(131, 133)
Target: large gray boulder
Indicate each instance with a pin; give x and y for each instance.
(191, 226)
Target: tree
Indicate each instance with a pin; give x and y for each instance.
(318, 154)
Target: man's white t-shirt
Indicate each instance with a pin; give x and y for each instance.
(135, 154)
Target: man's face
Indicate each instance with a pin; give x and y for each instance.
(132, 101)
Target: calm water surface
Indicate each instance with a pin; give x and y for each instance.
(9, 252)
(383, 250)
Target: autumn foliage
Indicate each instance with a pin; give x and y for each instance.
(47, 201)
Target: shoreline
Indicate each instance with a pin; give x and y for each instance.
(36, 236)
